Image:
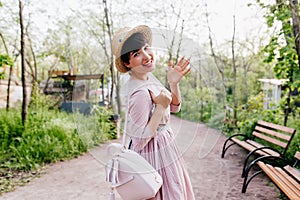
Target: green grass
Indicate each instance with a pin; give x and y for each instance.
(48, 136)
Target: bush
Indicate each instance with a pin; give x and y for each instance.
(10, 128)
(47, 145)
(50, 136)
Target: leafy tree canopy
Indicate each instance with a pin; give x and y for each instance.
(5, 60)
(281, 48)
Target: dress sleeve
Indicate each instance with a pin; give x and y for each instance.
(140, 107)
(175, 108)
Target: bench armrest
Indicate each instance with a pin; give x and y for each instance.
(225, 147)
(238, 134)
(254, 163)
(278, 161)
(262, 148)
(251, 153)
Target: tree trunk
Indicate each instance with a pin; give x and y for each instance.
(172, 44)
(287, 38)
(108, 24)
(24, 103)
(199, 80)
(216, 61)
(10, 72)
(294, 7)
(16, 54)
(234, 75)
(8, 88)
(4, 43)
(287, 108)
(35, 72)
(245, 99)
(118, 93)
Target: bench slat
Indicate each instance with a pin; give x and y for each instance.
(269, 139)
(268, 151)
(292, 183)
(297, 155)
(273, 133)
(276, 126)
(271, 173)
(294, 172)
(248, 146)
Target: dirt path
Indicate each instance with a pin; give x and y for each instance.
(212, 177)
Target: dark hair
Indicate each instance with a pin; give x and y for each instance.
(133, 44)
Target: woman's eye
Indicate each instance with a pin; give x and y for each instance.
(136, 54)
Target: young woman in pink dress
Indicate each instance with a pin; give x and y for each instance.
(149, 108)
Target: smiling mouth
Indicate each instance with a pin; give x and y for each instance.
(148, 64)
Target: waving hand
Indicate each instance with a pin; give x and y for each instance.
(175, 73)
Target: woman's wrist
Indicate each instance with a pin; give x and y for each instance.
(156, 117)
(173, 84)
(160, 107)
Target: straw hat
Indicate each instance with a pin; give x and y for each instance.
(121, 36)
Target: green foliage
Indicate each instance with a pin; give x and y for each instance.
(43, 140)
(5, 60)
(100, 126)
(40, 101)
(294, 146)
(281, 51)
(46, 144)
(252, 112)
(217, 122)
(48, 136)
(282, 48)
(106, 121)
(10, 128)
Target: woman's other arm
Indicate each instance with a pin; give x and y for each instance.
(174, 76)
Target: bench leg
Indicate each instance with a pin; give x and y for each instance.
(245, 163)
(224, 149)
(246, 182)
(253, 153)
(246, 174)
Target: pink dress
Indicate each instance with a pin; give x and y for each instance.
(161, 150)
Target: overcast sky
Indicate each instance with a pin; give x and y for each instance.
(248, 19)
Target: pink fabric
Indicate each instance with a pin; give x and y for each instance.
(160, 151)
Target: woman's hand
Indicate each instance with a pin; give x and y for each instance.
(164, 98)
(175, 73)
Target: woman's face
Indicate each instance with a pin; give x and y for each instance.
(142, 61)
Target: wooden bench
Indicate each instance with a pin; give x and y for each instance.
(275, 137)
(285, 177)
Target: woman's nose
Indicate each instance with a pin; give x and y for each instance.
(146, 54)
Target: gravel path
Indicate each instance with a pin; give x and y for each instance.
(213, 178)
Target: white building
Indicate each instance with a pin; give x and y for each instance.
(271, 92)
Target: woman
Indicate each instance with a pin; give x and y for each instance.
(149, 107)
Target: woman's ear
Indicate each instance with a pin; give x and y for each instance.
(126, 64)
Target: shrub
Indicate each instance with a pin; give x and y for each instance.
(10, 128)
(49, 135)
